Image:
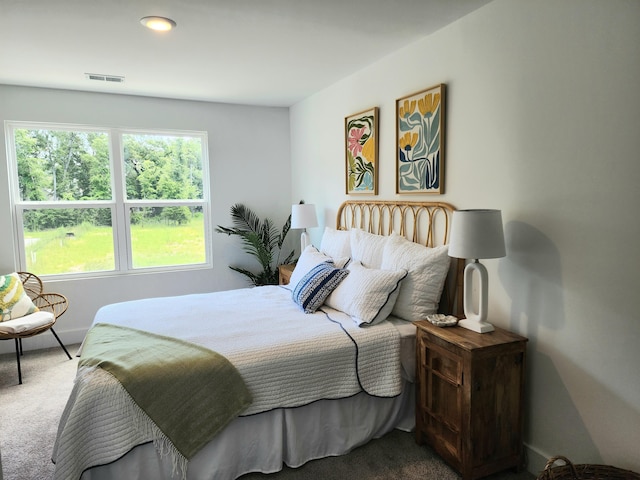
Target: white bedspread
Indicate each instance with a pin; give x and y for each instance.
(286, 358)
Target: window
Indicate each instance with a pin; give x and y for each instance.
(91, 200)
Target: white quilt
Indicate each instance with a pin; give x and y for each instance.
(286, 358)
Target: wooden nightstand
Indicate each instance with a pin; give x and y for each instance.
(470, 397)
(284, 273)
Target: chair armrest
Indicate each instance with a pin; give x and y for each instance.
(55, 303)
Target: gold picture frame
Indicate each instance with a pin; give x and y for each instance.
(420, 135)
(361, 152)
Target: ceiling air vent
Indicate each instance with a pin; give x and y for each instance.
(104, 78)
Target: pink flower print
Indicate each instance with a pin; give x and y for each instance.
(355, 134)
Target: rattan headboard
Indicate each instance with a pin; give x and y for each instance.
(427, 223)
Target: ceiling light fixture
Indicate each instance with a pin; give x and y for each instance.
(160, 24)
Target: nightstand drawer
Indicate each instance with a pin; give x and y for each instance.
(442, 363)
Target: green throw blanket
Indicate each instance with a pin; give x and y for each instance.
(188, 391)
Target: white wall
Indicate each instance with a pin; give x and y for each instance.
(249, 163)
(543, 123)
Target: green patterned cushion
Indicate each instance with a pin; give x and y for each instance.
(14, 301)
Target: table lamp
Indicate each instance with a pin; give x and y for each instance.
(476, 234)
(303, 215)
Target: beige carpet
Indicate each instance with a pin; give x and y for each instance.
(29, 415)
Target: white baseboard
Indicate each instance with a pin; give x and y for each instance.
(536, 459)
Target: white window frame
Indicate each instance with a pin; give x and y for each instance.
(119, 205)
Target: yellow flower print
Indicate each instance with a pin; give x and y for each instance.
(429, 104)
(407, 108)
(408, 141)
(368, 150)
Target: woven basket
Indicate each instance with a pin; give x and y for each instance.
(569, 471)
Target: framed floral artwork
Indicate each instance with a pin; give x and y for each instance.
(361, 152)
(420, 141)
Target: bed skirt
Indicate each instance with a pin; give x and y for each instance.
(266, 442)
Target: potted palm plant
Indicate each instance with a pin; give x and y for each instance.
(261, 239)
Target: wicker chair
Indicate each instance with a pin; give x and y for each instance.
(54, 303)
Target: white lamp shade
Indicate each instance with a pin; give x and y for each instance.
(303, 215)
(476, 234)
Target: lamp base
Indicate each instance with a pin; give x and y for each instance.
(476, 319)
(476, 326)
(305, 240)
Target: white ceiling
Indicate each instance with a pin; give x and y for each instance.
(257, 52)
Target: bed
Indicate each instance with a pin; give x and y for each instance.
(310, 370)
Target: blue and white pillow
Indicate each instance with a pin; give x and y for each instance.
(314, 287)
(309, 258)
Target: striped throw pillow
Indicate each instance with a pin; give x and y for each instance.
(314, 287)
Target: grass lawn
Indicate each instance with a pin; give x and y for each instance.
(159, 244)
(88, 248)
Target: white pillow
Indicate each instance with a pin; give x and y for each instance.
(366, 294)
(309, 258)
(427, 270)
(367, 248)
(336, 243)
